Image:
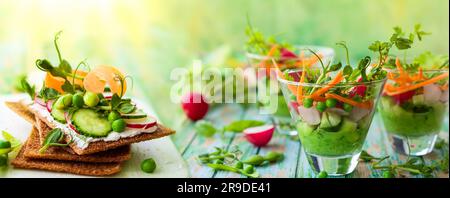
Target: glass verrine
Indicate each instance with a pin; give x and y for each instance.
(413, 107)
(300, 56)
(332, 137)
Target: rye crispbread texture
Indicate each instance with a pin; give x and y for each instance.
(99, 146)
(79, 168)
(59, 153)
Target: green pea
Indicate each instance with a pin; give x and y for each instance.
(77, 100)
(113, 115)
(5, 147)
(249, 169)
(347, 107)
(5, 144)
(63, 101)
(321, 106)
(322, 174)
(293, 97)
(388, 174)
(3, 160)
(218, 161)
(91, 99)
(118, 125)
(148, 165)
(331, 102)
(239, 165)
(308, 102)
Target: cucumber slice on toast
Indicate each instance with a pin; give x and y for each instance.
(58, 114)
(91, 123)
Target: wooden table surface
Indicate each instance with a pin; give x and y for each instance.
(294, 164)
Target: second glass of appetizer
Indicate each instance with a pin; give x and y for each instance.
(413, 107)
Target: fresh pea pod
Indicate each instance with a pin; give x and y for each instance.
(255, 160)
(232, 169)
(273, 156)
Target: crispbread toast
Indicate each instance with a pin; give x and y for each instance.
(99, 146)
(58, 153)
(80, 168)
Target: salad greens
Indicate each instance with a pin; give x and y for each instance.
(413, 165)
(9, 144)
(54, 138)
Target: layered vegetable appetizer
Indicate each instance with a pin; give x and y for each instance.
(333, 105)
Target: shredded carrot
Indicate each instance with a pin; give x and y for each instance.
(400, 90)
(300, 88)
(364, 105)
(269, 54)
(339, 77)
(444, 87)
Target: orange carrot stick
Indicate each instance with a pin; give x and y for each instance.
(269, 55)
(364, 105)
(339, 77)
(418, 85)
(300, 88)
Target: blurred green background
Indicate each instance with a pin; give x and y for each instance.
(146, 39)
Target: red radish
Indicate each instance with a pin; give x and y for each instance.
(432, 93)
(338, 111)
(69, 122)
(49, 106)
(294, 105)
(400, 98)
(296, 75)
(358, 113)
(260, 135)
(143, 123)
(194, 106)
(360, 89)
(287, 54)
(309, 115)
(39, 101)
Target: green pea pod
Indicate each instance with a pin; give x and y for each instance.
(232, 169)
(274, 156)
(255, 160)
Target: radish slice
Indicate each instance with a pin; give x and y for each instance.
(358, 113)
(107, 95)
(309, 115)
(49, 106)
(294, 106)
(39, 101)
(432, 93)
(444, 96)
(69, 122)
(143, 123)
(260, 135)
(338, 111)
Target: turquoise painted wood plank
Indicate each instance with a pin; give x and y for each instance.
(220, 116)
(239, 140)
(286, 168)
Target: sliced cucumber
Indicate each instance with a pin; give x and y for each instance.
(91, 123)
(136, 115)
(58, 114)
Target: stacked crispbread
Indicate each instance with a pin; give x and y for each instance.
(98, 159)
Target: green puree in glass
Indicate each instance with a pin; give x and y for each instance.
(400, 121)
(346, 139)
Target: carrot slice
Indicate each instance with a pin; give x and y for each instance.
(339, 77)
(415, 86)
(269, 54)
(364, 105)
(300, 88)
